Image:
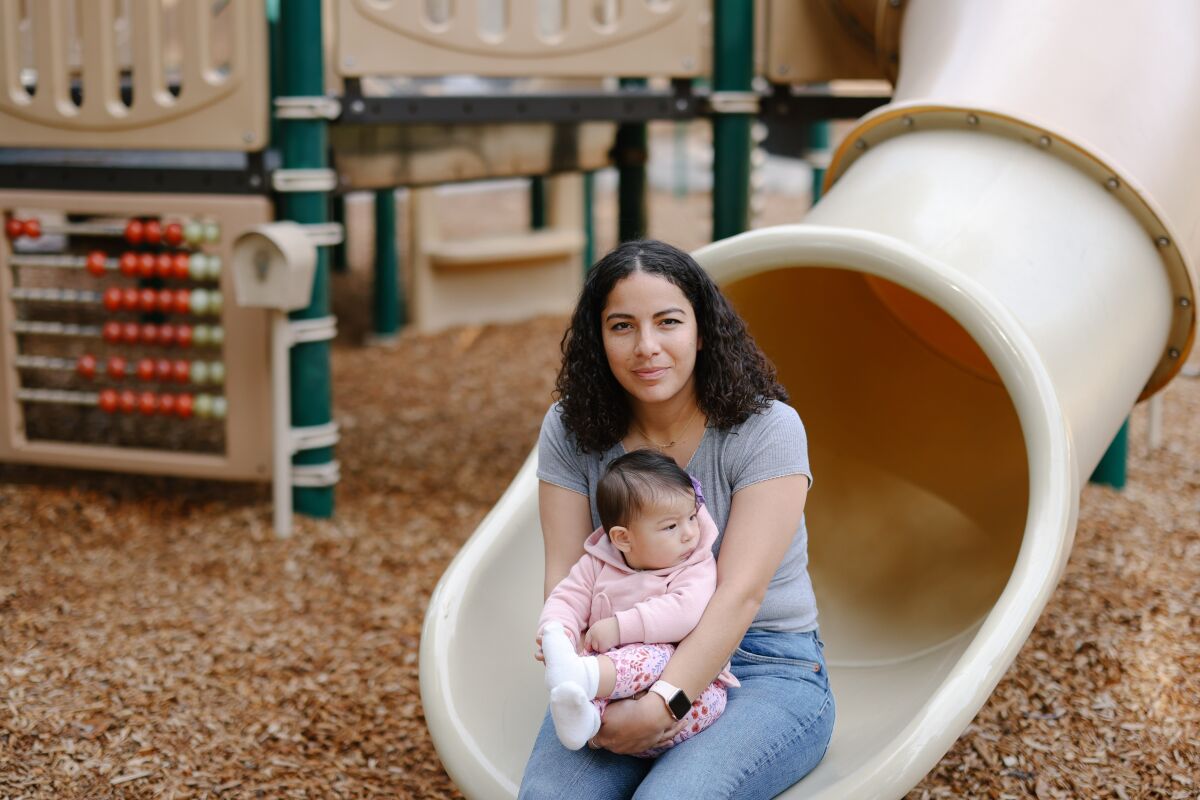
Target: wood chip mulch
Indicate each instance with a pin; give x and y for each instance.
(157, 640)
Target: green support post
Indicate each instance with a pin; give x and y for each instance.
(589, 221)
(303, 144)
(389, 312)
(537, 203)
(1111, 469)
(733, 71)
(630, 153)
(337, 205)
(818, 147)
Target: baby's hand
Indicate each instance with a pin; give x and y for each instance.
(603, 636)
(537, 649)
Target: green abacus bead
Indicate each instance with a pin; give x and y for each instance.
(216, 302)
(203, 406)
(199, 373)
(197, 266)
(214, 268)
(219, 407)
(216, 372)
(201, 335)
(212, 232)
(193, 232)
(199, 302)
(218, 336)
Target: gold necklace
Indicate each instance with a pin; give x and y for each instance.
(687, 425)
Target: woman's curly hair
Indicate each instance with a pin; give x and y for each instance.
(733, 377)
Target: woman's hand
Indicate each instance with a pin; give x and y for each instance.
(603, 636)
(637, 724)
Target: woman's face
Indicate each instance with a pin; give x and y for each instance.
(651, 338)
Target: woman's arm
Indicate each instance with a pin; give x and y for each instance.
(763, 519)
(566, 522)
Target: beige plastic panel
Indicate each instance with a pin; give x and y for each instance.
(520, 37)
(499, 278)
(384, 156)
(814, 41)
(245, 353)
(218, 60)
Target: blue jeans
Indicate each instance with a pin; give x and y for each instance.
(775, 729)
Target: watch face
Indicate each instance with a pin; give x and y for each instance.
(679, 705)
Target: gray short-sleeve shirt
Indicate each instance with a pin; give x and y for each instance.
(771, 444)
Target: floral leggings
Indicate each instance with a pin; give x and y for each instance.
(638, 666)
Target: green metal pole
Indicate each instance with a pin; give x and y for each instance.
(537, 203)
(818, 147)
(1111, 469)
(337, 205)
(388, 309)
(733, 71)
(303, 145)
(589, 221)
(630, 156)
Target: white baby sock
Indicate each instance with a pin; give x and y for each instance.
(575, 718)
(564, 665)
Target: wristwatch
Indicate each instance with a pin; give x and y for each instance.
(677, 702)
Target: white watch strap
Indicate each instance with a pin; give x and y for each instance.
(666, 691)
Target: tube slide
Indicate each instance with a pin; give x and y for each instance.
(999, 271)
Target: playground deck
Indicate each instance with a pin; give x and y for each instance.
(156, 640)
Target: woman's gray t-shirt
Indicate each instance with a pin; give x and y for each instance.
(767, 445)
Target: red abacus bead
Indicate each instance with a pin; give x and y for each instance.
(111, 331)
(14, 228)
(129, 298)
(131, 332)
(164, 300)
(173, 234)
(163, 264)
(108, 401)
(162, 369)
(127, 401)
(145, 370)
(133, 231)
(183, 301)
(181, 371)
(86, 366)
(166, 335)
(113, 298)
(32, 228)
(129, 264)
(117, 367)
(152, 232)
(96, 263)
(179, 266)
(148, 403)
(146, 265)
(147, 300)
(148, 333)
(166, 404)
(183, 406)
(183, 336)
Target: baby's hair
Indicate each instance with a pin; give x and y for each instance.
(634, 481)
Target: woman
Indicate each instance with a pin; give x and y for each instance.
(656, 357)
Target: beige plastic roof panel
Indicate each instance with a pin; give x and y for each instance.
(83, 436)
(152, 74)
(385, 156)
(815, 41)
(521, 37)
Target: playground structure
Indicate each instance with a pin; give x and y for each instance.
(966, 541)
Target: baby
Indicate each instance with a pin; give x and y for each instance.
(645, 577)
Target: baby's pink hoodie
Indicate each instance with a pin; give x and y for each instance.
(652, 605)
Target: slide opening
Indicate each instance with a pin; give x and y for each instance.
(921, 474)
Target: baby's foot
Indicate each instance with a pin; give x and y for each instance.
(564, 665)
(575, 718)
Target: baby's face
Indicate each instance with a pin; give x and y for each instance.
(665, 533)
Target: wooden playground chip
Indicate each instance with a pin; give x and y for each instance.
(156, 640)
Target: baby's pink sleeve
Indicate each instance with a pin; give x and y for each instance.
(570, 603)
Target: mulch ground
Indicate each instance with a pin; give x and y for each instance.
(157, 640)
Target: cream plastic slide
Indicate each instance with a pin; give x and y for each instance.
(999, 271)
